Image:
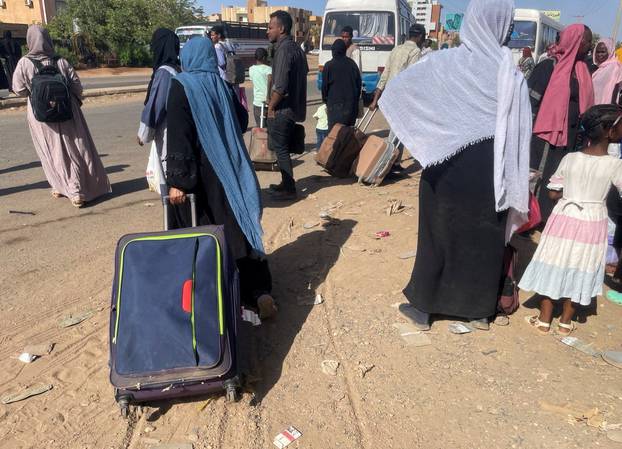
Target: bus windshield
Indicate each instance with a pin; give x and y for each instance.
(189, 33)
(370, 28)
(524, 34)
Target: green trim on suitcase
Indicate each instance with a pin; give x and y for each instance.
(221, 321)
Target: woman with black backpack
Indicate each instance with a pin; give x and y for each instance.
(59, 131)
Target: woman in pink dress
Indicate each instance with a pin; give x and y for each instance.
(66, 149)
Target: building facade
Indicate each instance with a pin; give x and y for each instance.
(16, 15)
(258, 11)
(428, 13)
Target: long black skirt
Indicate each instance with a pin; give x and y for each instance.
(213, 209)
(461, 242)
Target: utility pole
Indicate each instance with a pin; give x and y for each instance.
(617, 25)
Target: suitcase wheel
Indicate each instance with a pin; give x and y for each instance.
(232, 388)
(124, 406)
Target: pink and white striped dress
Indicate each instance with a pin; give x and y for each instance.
(570, 259)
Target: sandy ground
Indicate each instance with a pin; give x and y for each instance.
(506, 388)
(114, 71)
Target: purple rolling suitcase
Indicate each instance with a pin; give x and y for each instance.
(174, 315)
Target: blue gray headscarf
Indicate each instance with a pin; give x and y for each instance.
(220, 135)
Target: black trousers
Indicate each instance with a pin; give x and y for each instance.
(280, 136)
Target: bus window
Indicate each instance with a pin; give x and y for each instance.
(370, 28)
(185, 34)
(524, 34)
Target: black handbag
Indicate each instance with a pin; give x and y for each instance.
(297, 144)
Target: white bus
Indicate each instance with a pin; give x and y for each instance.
(535, 30)
(379, 25)
(244, 37)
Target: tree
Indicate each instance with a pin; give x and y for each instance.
(123, 27)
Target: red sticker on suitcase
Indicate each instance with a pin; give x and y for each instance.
(186, 296)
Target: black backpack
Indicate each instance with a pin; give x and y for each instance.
(50, 96)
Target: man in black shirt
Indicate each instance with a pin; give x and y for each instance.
(288, 101)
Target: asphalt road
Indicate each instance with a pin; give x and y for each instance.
(106, 82)
(113, 125)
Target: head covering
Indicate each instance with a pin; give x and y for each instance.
(552, 121)
(608, 75)
(165, 48)
(527, 52)
(482, 94)
(39, 43)
(339, 49)
(220, 135)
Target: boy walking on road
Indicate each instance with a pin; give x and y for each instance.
(259, 74)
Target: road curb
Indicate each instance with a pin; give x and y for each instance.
(17, 102)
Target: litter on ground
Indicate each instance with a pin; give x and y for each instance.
(287, 437)
(580, 345)
(412, 336)
(27, 393)
(459, 328)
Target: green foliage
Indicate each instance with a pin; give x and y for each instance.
(134, 56)
(67, 54)
(122, 27)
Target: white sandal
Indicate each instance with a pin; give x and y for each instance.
(569, 327)
(534, 321)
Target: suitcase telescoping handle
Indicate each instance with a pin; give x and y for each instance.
(366, 120)
(166, 202)
(261, 120)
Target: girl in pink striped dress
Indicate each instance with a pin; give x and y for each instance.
(569, 264)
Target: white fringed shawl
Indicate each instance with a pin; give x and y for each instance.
(455, 98)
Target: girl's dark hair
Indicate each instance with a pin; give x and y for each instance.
(261, 54)
(598, 120)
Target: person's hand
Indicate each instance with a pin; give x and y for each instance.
(176, 196)
(271, 113)
(140, 142)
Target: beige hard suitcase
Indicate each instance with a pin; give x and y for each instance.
(375, 160)
(261, 156)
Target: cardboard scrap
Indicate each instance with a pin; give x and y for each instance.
(412, 336)
(330, 367)
(39, 350)
(592, 417)
(72, 320)
(27, 393)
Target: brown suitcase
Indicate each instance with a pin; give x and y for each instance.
(375, 160)
(261, 156)
(342, 146)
